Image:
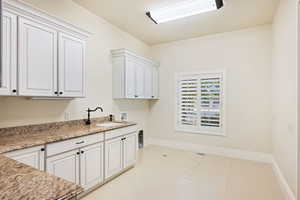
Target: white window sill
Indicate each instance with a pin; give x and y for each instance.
(199, 132)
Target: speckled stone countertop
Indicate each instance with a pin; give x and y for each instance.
(19, 181)
(34, 135)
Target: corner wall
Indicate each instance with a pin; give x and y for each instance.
(284, 90)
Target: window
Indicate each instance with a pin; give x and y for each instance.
(199, 102)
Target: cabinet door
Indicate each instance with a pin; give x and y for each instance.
(65, 165)
(130, 150)
(34, 157)
(71, 66)
(139, 80)
(148, 81)
(8, 74)
(130, 78)
(91, 166)
(155, 83)
(37, 59)
(113, 157)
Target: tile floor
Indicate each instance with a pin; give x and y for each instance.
(169, 174)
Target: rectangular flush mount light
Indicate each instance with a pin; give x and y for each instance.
(183, 9)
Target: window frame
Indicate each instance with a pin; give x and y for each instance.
(198, 130)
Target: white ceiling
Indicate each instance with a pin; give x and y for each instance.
(129, 15)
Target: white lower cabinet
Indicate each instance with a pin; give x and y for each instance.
(113, 157)
(34, 157)
(120, 153)
(91, 165)
(65, 165)
(82, 160)
(82, 166)
(130, 146)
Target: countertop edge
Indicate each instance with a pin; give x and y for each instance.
(41, 142)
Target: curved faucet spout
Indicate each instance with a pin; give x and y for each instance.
(88, 121)
(94, 110)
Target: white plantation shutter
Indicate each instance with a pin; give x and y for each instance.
(188, 92)
(210, 102)
(200, 103)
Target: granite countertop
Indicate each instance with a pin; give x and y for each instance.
(29, 136)
(19, 181)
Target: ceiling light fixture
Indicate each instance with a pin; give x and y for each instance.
(184, 9)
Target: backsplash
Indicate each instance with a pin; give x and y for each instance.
(46, 126)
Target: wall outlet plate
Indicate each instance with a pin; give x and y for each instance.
(67, 116)
(124, 116)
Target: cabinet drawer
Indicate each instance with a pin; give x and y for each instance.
(120, 132)
(59, 147)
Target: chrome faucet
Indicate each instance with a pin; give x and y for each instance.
(88, 121)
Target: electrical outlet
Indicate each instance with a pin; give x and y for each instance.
(67, 116)
(124, 117)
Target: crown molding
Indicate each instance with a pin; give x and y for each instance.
(28, 11)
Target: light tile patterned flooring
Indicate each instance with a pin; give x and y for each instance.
(182, 175)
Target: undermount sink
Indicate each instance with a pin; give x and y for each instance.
(108, 124)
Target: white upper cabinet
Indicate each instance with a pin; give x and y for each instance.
(8, 82)
(71, 66)
(140, 80)
(129, 82)
(42, 56)
(148, 82)
(155, 83)
(134, 77)
(37, 59)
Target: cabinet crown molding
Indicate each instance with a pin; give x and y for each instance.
(125, 52)
(27, 10)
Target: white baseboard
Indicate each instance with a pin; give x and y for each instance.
(286, 190)
(233, 153)
(227, 152)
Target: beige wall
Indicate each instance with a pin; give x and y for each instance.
(246, 58)
(245, 55)
(18, 111)
(284, 95)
